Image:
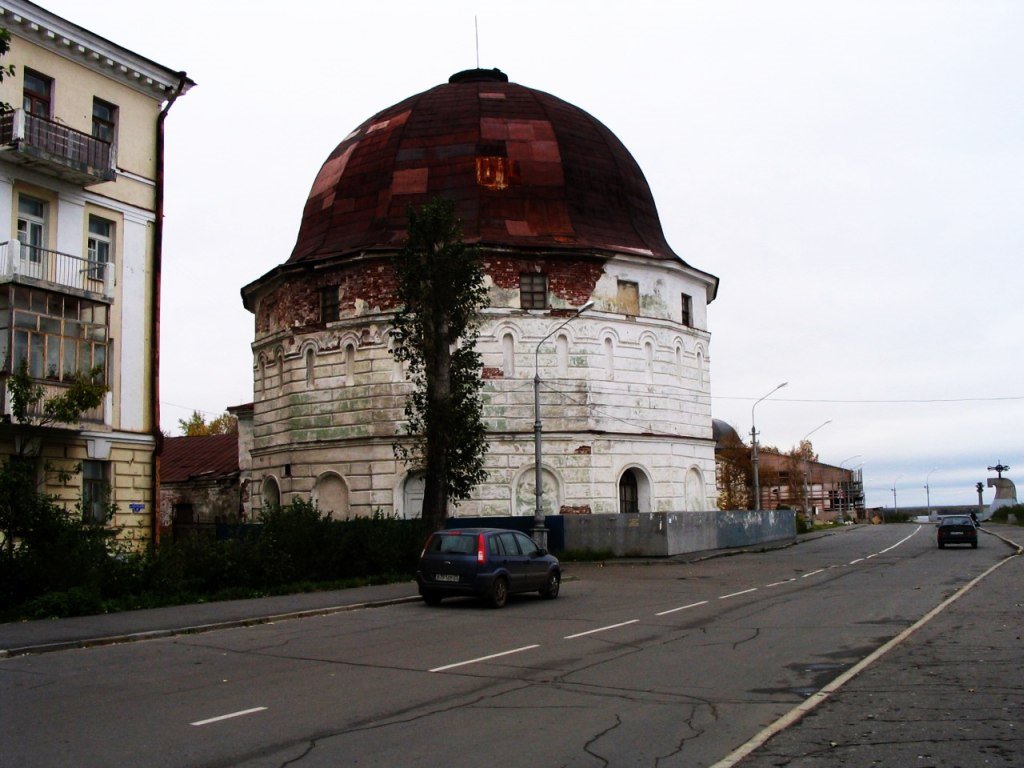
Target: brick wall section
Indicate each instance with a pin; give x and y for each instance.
(371, 286)
(570, 280)
(366, 286)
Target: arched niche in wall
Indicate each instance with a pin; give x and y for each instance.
(694, 490)
(330, 492)
(271, 492)
(411, 495)
(524, 499)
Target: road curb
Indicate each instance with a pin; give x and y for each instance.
(155, 634)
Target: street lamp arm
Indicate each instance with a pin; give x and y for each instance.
(753, 449)
(556, 329)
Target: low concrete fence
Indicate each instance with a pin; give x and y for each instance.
(662, 534)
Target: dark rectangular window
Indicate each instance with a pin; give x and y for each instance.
(330, 306)
(104, 120)
(687, 311)
(533, 290)
(95, 490)
(38, 94)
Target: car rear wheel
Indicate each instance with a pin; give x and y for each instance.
(550, 589)
(498, 594)
(941, 545)
(974, 545)
(431, 598)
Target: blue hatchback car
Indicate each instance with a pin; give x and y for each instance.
(490, 563)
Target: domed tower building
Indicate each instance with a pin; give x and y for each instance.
(562, 216)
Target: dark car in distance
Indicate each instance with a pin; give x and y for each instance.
(957, 529)
(490, 563)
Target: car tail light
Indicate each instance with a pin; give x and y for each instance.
(481, 549)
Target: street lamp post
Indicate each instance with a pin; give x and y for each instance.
(540, 531)
(928, 493)
(849, 485)
(895, 508)
(753, 448)
(807, 490)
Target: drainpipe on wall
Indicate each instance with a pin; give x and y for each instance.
(158, 244)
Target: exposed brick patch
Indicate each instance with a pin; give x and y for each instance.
(570, 279)
(372, 286)
(493, 373)
(583, 509)
(584, 450)
(368, 285)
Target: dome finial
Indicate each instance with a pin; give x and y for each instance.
(479, 76)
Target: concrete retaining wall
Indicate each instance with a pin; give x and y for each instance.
(662, 534)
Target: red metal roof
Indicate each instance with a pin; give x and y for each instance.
(211, 457)
(524, 168)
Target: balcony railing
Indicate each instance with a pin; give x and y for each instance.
(40, 266)
(55, 148)
(51, 389)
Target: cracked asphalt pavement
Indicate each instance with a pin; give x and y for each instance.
(668, 664)
(950, 696)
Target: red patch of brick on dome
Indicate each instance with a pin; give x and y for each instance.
(518, 228)
(410, 181)
(490, 372)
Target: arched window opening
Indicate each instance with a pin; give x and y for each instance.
(629, 496)
(700, 369)
(609, 358)
(649, 362)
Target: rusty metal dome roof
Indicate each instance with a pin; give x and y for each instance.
(525, 170)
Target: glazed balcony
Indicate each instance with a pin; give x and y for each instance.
(55, 149)
(41, 267)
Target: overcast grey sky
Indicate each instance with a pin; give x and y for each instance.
(852, 171)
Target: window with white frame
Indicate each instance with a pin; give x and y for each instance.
(100, 247)
(32, 226)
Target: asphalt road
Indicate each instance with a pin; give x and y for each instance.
(666, 665)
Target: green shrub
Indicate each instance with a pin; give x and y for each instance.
(67, 568)
(1002, 515)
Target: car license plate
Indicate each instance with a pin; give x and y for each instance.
(446, 577)
(956, 533)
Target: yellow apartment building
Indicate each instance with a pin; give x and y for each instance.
(81, 194)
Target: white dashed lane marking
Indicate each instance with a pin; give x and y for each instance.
(228, 716)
